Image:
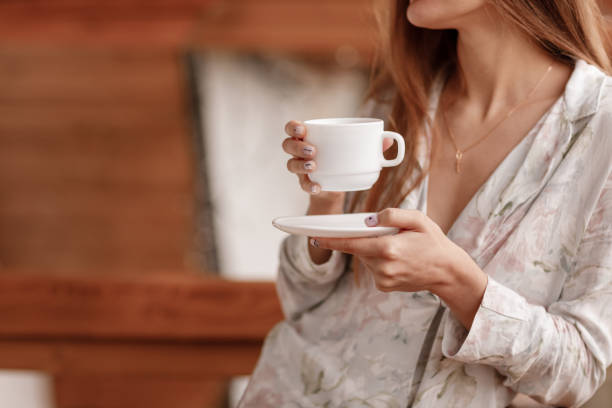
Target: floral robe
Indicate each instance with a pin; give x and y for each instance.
(540, 227)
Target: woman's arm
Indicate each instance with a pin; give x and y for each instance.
(301, 283)
(307, 275)
(557, 355)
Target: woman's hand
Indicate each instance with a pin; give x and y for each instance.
(419, 257)
(302, 163)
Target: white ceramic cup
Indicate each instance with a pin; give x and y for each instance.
(349, 152)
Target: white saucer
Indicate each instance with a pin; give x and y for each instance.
(331, 226)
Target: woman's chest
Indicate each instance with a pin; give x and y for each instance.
(523, 225)
(449, 191)
(461, 164)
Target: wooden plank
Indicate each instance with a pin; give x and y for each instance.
(87, 305)
(99, 24)
(291, 27)
(116, 6)
(146, 10)
(88, 117)
(326, 43)
(286, 26)
(86, 77)
(140, 159)
(96, 162)
(203, 360)
(30, 31)
(149, 201)
(99, 243)
(112, 391)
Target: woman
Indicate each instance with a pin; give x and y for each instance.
(500, 279)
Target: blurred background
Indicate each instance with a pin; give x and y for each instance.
(140, 169)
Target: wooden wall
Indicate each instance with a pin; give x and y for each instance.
(98, 175)
(96, 166)
(313, 26)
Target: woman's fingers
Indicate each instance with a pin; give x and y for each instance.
(299, 148)
(369, 247)
(300, 166)
(402, 218)
(387, 143)
(296, 129)
(308, 185)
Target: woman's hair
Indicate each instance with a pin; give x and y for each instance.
(409, 58)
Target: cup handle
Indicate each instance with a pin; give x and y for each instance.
(400, 149)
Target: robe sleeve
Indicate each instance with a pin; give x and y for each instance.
(302, 284)
(557, 355)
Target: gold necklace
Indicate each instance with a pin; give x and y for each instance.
(459, 152)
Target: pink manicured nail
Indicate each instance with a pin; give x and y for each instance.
(298, 130)
(314, 242)
(372, 220)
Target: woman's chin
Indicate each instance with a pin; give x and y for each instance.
(442, 14)
(422, 13)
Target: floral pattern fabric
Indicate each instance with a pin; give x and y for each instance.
(540, 227)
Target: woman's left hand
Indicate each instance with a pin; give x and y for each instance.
(419, 257)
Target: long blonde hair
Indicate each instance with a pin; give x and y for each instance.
(409, 58)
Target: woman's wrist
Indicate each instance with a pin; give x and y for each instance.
(462, 286)
(318, 255)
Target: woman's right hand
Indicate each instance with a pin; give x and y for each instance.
(302, 163)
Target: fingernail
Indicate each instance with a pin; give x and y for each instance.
(372, 220)
(308, 150)
(298, 129)
(314, 189)
(314, 242)
(308, 165)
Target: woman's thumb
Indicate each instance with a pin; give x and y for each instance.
(387, 143)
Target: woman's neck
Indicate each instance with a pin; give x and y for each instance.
(498, 66)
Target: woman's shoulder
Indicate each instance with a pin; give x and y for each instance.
(596, 86)
(588, 106)
(588, 95)
(605, 102)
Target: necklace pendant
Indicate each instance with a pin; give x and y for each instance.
(458, 157)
